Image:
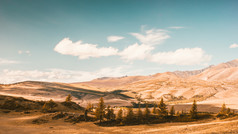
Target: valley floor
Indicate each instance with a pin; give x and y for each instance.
(19, 123)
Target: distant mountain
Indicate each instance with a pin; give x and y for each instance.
(187, 74)
(222, 72)
(111, 82)
(213, 85)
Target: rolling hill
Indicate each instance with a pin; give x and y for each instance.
(213, 85)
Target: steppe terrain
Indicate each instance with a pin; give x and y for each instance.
(211, 87)
(22, 124)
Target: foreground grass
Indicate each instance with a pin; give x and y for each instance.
(20, 123)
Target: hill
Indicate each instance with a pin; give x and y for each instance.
(212, 85)
(45, 91)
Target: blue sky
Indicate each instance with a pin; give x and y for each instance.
(39, 39)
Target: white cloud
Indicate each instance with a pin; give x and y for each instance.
(234, 45)
(183, 56)
(5, 61)
(24, 52)
(176, 27)
(142, 51)
(83, 50)
(114, 38)
(136, 52)
(152, 37)
(20, 52)
(61, 75)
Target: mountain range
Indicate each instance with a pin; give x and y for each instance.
(215, 85)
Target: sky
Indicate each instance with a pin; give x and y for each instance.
(80, 40)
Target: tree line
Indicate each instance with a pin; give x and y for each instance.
(159, 113)
(129, 116)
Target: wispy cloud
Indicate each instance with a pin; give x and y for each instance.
(234, 45)
(5, 61)
(183, 56)
(114, 38)
(83, 50)
(61, 75)
(176, 27)
(152, 36)
(24, 52)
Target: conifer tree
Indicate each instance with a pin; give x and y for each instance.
(52, 104)
(108, 115)
(130, 115)
(112, 114)
(45, 107)
(228, 111)
(100, 112)
(86, 115)
(154, 109)
(48, 106)
(172, 111)
(119, 115)
(97, 114)
(193, 111)
(147, 112)
(139, 114)
(182, 113)
(68, 98)
(223, 109)
(162, 108)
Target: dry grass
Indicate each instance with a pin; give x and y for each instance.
(20, 123)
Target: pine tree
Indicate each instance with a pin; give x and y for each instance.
(139, 114)
(154, 109)
(86, 115)
(45, 108)
(100, 112)
(48, 106)
(108, 115)
(172, 111)
(130, 115)
(223, 110)
(97, 114)
(112, 114)
(51, 104)
(228, 111)
(68, 98)
(147, 112)
(162, 108)
(193, 111)
(119, 115)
